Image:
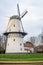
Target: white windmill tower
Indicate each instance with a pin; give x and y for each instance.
(15, 34)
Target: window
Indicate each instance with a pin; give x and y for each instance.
(8, 44)
(19, 35)
(9, 29)
(21, 49)
(8, 35)
(14, 40)
(20, 44)
(14, 25)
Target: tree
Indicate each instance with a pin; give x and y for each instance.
(3, 40)
(32, 39)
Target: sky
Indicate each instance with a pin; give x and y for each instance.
(32, 21)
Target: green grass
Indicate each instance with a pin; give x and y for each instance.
(21, 57)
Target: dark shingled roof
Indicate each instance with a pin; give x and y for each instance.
(28, 44)
(15, 17)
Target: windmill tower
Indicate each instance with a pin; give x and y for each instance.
(15, 34)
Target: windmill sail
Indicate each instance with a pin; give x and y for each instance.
(18, 10)
(23, 14)
(19, 16)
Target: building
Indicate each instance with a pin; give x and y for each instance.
(39, 49)
(15, 34)
(28, 47)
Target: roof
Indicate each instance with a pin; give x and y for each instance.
(28, 44)
(39, 48)
(15, 17)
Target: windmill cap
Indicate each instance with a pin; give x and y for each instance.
(15, 17)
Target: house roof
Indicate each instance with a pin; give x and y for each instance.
(28, 44)
(39, 48)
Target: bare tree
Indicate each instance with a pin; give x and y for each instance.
(2, 43)
(32, 39)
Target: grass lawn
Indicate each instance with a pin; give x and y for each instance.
(21, 57)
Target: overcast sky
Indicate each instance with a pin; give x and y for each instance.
(32, 21)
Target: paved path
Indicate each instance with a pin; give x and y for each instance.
(21, 62)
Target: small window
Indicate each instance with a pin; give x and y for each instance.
(21, 49)
(14, 40)
(8, 35)
(19, 35)
(9, 29)
(14, 25)
(8, 44)
(20, 44)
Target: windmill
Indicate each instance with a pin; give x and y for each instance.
(14, 33)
